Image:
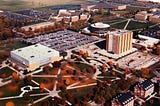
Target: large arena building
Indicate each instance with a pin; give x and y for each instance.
(35, 56)
(99, 28)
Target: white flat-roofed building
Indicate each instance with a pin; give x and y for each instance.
(35, 56)
(145, 41)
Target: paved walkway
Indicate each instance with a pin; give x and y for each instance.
(127, 24)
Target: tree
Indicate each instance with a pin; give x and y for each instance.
(110, 63)
(67, 81)
(42, 86)
(10, 103)
(15, 76)
(47, 68)
(113, 73)
(72, 56)
(126, 69)
(117, 65)
(56, 64)
(80, 52)
(27, 80)
(64, 54)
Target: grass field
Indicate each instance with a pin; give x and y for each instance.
(7, 71)
(23, 4)
(138, 25)
(12, 46)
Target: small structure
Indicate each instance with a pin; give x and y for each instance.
(145, 41)
(144, 88)
(34, 56)
(125, 99)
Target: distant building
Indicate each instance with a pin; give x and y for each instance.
(158, 1)
(155, 18)
(37, 26)
(152, 16)
(69, 16)
(142, 15)
(35, 56)
(96, 6)
(119, 41)
(144, 88)
(125, 99)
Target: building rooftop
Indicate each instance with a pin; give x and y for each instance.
(146, 41)
(43, 24)
(100, 25)
(146, 84)
(124, 98)
(35, 52)
(118, 32)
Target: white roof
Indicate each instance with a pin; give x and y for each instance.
(148, 41)
(35, 52)
(100, 25)
(119, 32)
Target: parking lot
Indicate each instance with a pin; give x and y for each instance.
(62, 40)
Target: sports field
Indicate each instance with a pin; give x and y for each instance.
(23, 4)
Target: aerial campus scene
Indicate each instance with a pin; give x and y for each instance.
(79, 52)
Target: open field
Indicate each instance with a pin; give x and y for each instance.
(23, 4)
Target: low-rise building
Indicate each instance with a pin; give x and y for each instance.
(96, 6)
(32, 57)
(37, 26)
(157, 1)
(69, 16)
(145, 41)
(83, 17)
(125, 99)
(153, 15)
(144, 88)
(143, 15)
(155, 18)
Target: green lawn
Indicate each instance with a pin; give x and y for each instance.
(6, 70)
(83, 66)
(114, 20)
(12, 46)
(23, 101)
(138, 25)
(119, 25)
(13, 89)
